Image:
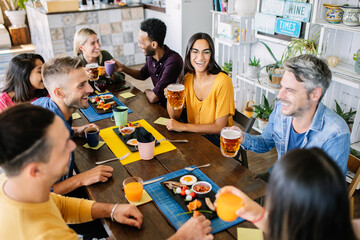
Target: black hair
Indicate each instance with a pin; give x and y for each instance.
(213, 67)
(17, 77)
(156, 30)
(23, 140)
(307, 198)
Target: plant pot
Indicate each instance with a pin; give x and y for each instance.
(333, 13)
(253, 71)
(357, 63)
(249, 111)
(275, 76)
(16, 18)
(351, 16)
(262, 123)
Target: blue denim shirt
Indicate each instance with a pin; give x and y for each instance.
(49, 104)
(328, 131)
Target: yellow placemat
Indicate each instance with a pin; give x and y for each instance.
(161, 120)
(127, 95)
(76, 116)
(119, 148)
(101, 143)
(145, 198)
(249, 233)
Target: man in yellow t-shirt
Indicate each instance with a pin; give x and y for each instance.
(35, 151)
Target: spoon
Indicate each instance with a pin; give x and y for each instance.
(193, 168)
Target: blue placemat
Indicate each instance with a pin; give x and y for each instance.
(171, 208)
(93, 116)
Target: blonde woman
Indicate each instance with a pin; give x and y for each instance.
(87, 48)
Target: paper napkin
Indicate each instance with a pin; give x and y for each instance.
(161, 121)
(145, 198)
(76, 116)
(127, 95)
(95, 148)
(97, 92)
(249, 233)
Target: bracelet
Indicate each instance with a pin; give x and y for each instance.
(261, 217)
(112, 212)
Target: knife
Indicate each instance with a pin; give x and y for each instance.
(179, 140)
(152, 181)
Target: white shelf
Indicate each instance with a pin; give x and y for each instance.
(337, 26)
(345, 74)
(260, 83)
(356, 146)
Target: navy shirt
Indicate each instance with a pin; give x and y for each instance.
(162, 72)
(49, 104)
(295, 139)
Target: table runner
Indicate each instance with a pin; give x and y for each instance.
(119, 148)
(93, 116)
(171, 208)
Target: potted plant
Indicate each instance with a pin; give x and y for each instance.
(275, 70)
(227, 67)
(262, 113)
(347, 116)
(253, 68)
(302, 46)
(356, 58)
(14, 10)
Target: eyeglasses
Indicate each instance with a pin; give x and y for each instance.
(196, 52)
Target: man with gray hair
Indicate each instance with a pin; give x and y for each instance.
(67, 83)
(299, 119)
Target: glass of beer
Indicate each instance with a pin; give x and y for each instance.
(176, 95)
(94, 69)
(230, 140)
(133, 187)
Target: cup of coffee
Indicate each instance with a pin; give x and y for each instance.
(176, 95)
(94, 69)
(120, 115)
(92, 136)
(146, 150)
(109, 67)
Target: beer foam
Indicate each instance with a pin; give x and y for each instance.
(230, 134)
(91, 65)
(176, 87)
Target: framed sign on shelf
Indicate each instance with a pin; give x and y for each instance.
(281, 20)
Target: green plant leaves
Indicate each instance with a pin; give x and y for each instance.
(263, 111)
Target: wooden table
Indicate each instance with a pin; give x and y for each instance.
(199, 151)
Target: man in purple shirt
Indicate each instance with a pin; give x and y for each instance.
(163, 65)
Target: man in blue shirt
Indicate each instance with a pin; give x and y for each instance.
(299, 119)
(67, 83)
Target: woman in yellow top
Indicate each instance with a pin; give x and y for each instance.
(209, 93)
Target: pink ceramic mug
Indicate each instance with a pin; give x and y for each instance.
(146, 150)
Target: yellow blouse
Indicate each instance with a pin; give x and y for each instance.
(219, 102)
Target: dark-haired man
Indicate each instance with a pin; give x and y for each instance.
(163, 65)
(35, 151)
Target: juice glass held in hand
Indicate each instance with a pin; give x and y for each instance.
(230, 140)
(176, 95)
(94, 69)
(226, 206)
(133, 187)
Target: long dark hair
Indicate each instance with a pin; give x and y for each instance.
(307, 198)
(213, 67)
(17, 77)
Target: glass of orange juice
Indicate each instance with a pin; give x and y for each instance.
(133, 187)
(226, 206)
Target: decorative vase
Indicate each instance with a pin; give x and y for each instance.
(253, 71)
(357, 63)
(351, 15)
(16, 18)
(249, 111)
(275, 76)
(262, 123)
(333, 61)
(333, 13)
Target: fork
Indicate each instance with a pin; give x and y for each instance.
(193, 168)
(113, 159)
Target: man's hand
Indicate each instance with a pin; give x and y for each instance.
(119, 67)
(79, 131)
(97, 174)
(198, 228)
(173, 125)
(128, 214)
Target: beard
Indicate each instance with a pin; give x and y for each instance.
(77, 102)
(149, 51)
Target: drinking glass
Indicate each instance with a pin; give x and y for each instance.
(100, 85)
(93, 67)
(109, 67)
(133, 187)
(230, 140)
(176, 95)
(226, 206)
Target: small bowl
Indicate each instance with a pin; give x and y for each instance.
(201, 194)
(126, 130)
(106, 97)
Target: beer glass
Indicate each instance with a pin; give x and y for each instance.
(93, 67)
(230, 140)
(176, 95)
